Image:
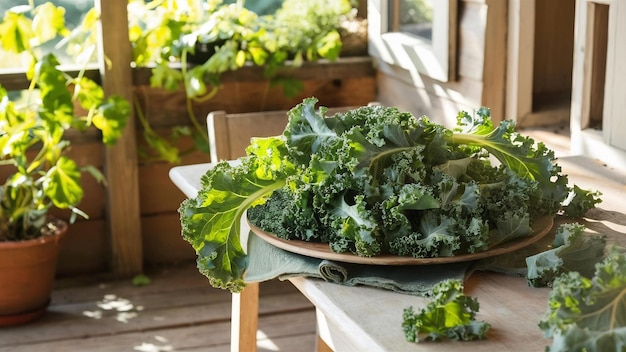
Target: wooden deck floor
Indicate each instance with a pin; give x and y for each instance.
(177, 311)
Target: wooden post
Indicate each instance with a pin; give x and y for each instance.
(121, 168)
(520, 58)
(494, 64)
(245, 319)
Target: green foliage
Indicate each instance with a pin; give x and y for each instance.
(573, 250)
(519, 153)
(589, 313)
(373, 181)
(32, 135)
(210, 221)
(449, 315)
(141, 280)
(210, 37)
(164, 32)
(581, 201)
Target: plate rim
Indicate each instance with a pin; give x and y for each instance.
(541, 227)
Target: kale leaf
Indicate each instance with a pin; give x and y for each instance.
(580, 202)
(211, 221)
(449, 314)
(573, 250)
(589, 313)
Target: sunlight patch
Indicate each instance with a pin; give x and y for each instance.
(122, 308)
(151, 347)
(265, 343)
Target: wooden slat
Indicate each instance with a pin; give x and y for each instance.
(152, 312)
(245, 319)
(597, 45)
(15, 79)
(157, 193)
(165, 108)
(494, 63)
(520, 52)
(614, 123)
(472, 37)
(293, 332)
(162, 240)
(349, 67)
(121, 159)
(219, 138)
(553, 46)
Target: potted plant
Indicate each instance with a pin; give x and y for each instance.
(34, 149)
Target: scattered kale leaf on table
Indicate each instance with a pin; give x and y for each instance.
(573, 250)
(449, 314)
(375, 180)
(589, 313)
(580, 201)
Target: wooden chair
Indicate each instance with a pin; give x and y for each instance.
(229, 135)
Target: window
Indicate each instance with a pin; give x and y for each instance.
(418, 35)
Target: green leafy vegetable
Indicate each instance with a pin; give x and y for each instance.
(374, 181)
(573, 251)
(519, 153)
(450, 314)
(581, 201)
(211, 220)
(140, 280)
(589, 313)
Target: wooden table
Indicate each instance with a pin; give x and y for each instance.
(369, 319)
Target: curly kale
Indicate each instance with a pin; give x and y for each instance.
(375, 180)
(449, 314)
(588, 313)
(581, 201)
(382, 181)
(573, 250)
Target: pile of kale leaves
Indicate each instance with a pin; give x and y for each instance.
(375, 180)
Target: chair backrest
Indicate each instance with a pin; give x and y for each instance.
(230, 134)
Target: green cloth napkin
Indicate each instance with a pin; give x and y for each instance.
(268, 262)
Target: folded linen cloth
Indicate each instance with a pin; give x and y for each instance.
(268, 262)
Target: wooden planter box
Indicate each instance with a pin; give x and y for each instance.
(87, 247)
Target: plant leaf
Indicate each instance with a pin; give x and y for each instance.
(450, 314)
(62, 183)
(16, 32)
(573, 251)
(48, 22)
(211, 221)
(163, 76)
(88, 93)
(589, 314)
(111, 118)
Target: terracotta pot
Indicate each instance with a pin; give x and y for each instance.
(27, 271)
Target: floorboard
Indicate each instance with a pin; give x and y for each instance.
(177, 311)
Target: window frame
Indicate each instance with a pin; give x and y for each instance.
(436, 58)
